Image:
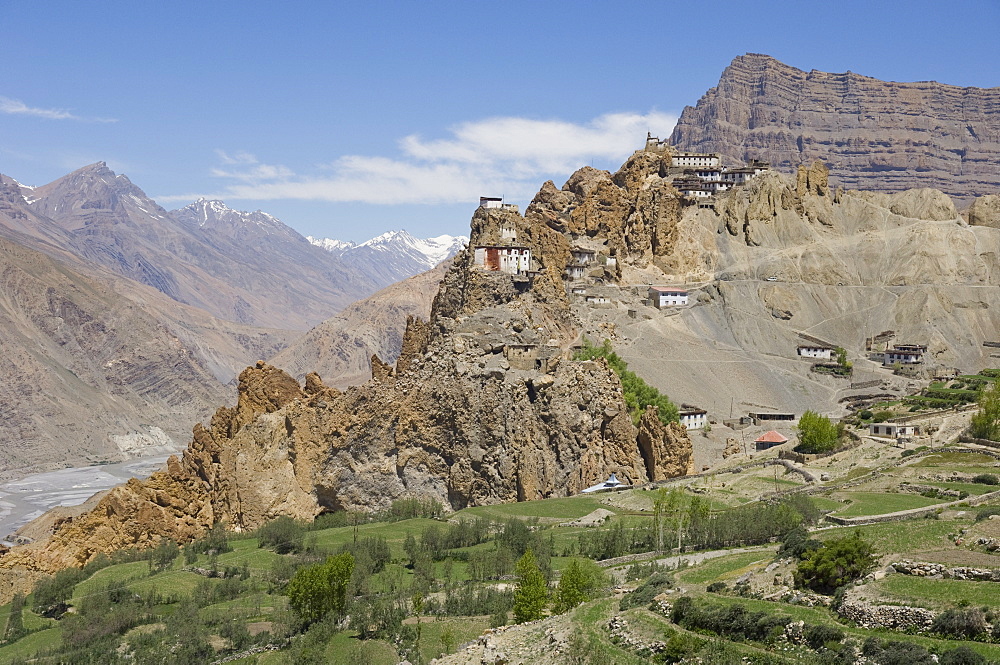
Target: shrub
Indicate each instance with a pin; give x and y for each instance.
(643, 594)
(961, 623)
(835, 563)
(895, 653)
(986, 512)
(717, 587)
(986, 479)
(963, 655)
(818, 636)
(283, 535)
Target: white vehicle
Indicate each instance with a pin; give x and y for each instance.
(772, 278)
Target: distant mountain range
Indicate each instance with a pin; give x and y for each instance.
(395, 255)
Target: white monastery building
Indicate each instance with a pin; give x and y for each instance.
(662, 296)
(824, 352)
(905, 354)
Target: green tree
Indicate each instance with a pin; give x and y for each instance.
(282, 534)
(531, 592)
(15, 622)
(579, 582)
(816, 433)
(835, 563)
(986, 422)
(163, 555)
(315, 591)
(448, 639)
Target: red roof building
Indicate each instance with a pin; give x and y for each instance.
(769, 440)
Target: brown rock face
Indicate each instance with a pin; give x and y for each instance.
(874, 135)
(461, 419)
(985, 211)
(666, 449)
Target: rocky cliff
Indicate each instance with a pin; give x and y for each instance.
(874, 135)
(484, 404)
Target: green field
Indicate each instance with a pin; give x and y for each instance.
(939, 594)
(873, 503)
(724, 568)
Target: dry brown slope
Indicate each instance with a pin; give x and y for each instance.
(341, 347)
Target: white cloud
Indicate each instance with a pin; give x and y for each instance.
(17, 107)
(506, 155)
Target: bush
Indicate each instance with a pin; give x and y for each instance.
(986, 512)
(895, 653)
(818, 636)
(797, 543)
(967, 623)
(963, 655)
(717, 587)
(283, 535)
(835, 563)
(643, 594)
(986, 479)
(51, 593)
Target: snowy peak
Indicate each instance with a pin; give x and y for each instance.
(216, 217)
(336, 247)
(397, 246)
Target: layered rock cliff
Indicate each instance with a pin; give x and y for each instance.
(874, 135)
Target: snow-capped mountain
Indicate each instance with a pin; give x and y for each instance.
(394, 255)
(218, 217)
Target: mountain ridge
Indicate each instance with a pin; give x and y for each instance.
(874, 135)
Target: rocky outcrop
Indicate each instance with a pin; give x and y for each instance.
(483, 406)
(985, 211)
(666, 449)
(874, 135)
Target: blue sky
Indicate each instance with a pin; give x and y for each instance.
(347, 119)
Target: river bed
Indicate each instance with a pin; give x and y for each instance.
(23, 500)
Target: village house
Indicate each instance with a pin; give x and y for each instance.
(815, 351)
(490, 202)
(576, 271)
(769, 440)
(510, 259)
(905, 354)
(662, 296)
(765, 417)
(692, 417)
(892, 430)
(597, 299)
